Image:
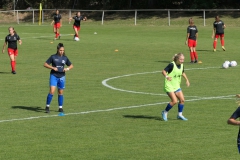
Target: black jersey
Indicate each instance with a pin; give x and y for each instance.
(219, 27)
(59, 62)
(77, 20)
(12, 40)
(57, 18)
(192, 30)
(236, 115)
(170, 66)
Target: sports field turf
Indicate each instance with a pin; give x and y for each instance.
(113, 100)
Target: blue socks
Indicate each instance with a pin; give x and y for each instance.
(49, 99)
(180, 107)
(168, 107)
(60, 100)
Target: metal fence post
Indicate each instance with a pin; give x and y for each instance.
(102, 17)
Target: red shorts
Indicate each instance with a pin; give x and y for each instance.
(12, 52)
(76, 27)
(219, 35)
(57, 25)
(192, 43)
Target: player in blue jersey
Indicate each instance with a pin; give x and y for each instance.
(56, 63)
(11, 40)
(233, 121)
(57, 23)
(77, 23)
(218, 31)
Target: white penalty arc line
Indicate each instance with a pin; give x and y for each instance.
(114, 109)
(104, 82)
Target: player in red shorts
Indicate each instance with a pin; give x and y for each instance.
(77, 23)
(218, 31)
(192, 34)
(11, 40)
(57, 20)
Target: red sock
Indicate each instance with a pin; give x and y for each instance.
(76, 35)
(222, 42)
(192, 56)
(195, 55)
(56, 35)
(13, 65)
(214, 44)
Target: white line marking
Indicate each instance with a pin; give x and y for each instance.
(114, 109)
(104, 82)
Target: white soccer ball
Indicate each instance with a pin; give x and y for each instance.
(228, 63)
(233, 63)
(225, 65)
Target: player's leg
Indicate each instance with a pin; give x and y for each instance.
(53, 85)
(195, 52)
(222, 42)
(169, 106)
(11, 53)
(180, 96)
(215, 43)
(61, 86)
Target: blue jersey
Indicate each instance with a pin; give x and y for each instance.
(235, 116)
(58, 62)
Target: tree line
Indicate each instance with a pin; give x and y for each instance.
(120, 4)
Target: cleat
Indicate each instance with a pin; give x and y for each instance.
(55, 39)
(195, 61)
(192, 62)
(223, 48)
(59, 36)
(47, 110)
(214, 50)
(60, 110)
(182, 118)
(164, 116)
(13, 72)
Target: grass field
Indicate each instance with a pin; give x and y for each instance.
(124, 121)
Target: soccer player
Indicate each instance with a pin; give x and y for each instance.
(56, 63)
(57, 20)
(233, 121)
(191, 40)
(77, 23)
(218, 31)
(11, 40)
(173, 73)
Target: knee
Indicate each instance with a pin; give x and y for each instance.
(182, 101)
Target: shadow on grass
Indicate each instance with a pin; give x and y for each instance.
(5, 73)
(164, 61)
(142, 117)
(30, 108)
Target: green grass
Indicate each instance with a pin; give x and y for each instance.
(102, 123)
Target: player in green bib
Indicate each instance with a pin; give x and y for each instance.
(173, 74)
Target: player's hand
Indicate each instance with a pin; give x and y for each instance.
(55, 69)
(187, 83)
(186, 42)
(169, 78)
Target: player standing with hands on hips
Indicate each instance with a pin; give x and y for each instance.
(191, 40)
(11, 40)
(218, 31)
(77, 23)
(57, 75)
(173, 73)
(57, 20)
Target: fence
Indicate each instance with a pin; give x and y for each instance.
(34, 13)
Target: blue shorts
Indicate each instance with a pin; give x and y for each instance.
(178, 90)
(55, 81)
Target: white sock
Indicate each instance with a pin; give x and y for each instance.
(60, 106)
(180, 113)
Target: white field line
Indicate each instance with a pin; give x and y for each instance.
(114, 109)
(104, 82)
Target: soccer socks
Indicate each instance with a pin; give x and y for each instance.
(60, 101)
(168, 108)
(195, 56)
(192, 56)
(214, 44)
(13, 65)
(180, 109)
(222, 42)
(49, 99)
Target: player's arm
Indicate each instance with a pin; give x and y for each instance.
(20, 41)
(85, 18)
(52, 22)
(46, 65)
(187, 38)
(61, 22)
(213, 33)
(4, 45)
(224, 26)
(185, 77)
(233, 121)
(68, 68)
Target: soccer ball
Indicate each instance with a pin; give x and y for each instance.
(228, 63)
(225, 65)
(233, 63)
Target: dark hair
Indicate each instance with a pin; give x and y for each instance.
(217, 17)
(59, 46)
